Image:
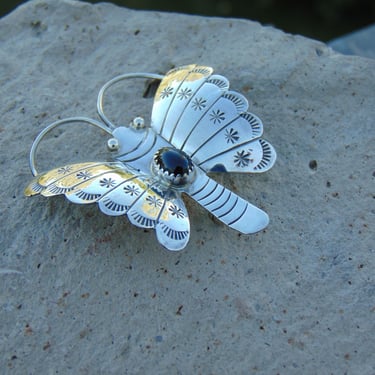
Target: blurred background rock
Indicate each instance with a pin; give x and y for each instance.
(319, 19)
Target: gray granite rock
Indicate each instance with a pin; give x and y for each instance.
(83, 293)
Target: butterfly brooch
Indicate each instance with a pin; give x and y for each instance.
(197, 126)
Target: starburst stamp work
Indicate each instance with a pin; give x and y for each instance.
(84, 175)
(107, 182)
(242, 158)
(217, 116)
(231, 135)
(65, 170)
(166, 93)
(176, 211)
(199, 104)
(184, 93)
(131, 190)
(153, 201)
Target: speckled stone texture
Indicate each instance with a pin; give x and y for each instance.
(83, 293)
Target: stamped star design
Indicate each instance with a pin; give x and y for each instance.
(184, 93)
(242, 158)
(65, 170)
(198, 104)
(217, 116)
(132, 190)
(166, 92)
(231, 135)
(84, 175)
(154, 201)
(176, 211)
(107, 182)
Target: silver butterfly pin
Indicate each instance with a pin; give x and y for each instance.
(197, 126)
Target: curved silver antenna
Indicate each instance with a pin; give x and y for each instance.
(55, 124)
(99, 103)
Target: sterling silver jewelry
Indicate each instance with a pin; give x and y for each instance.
(197, 126)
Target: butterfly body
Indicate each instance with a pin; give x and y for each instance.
(197, 126)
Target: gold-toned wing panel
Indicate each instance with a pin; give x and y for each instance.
(168, 216)
(119, 191)
(176, 76)
(173, 227)
(177, 86)
(67, 178)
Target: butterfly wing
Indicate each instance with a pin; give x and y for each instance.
(118, 190)
(196, 112)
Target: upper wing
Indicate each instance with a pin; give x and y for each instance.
(195, 111)
(118, 191)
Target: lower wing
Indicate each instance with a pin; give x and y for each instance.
(119, 190)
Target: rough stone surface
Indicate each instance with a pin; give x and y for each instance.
(82, 293)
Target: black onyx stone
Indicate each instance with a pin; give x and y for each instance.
(173, 161)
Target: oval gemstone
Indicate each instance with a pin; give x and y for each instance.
(174, 161)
